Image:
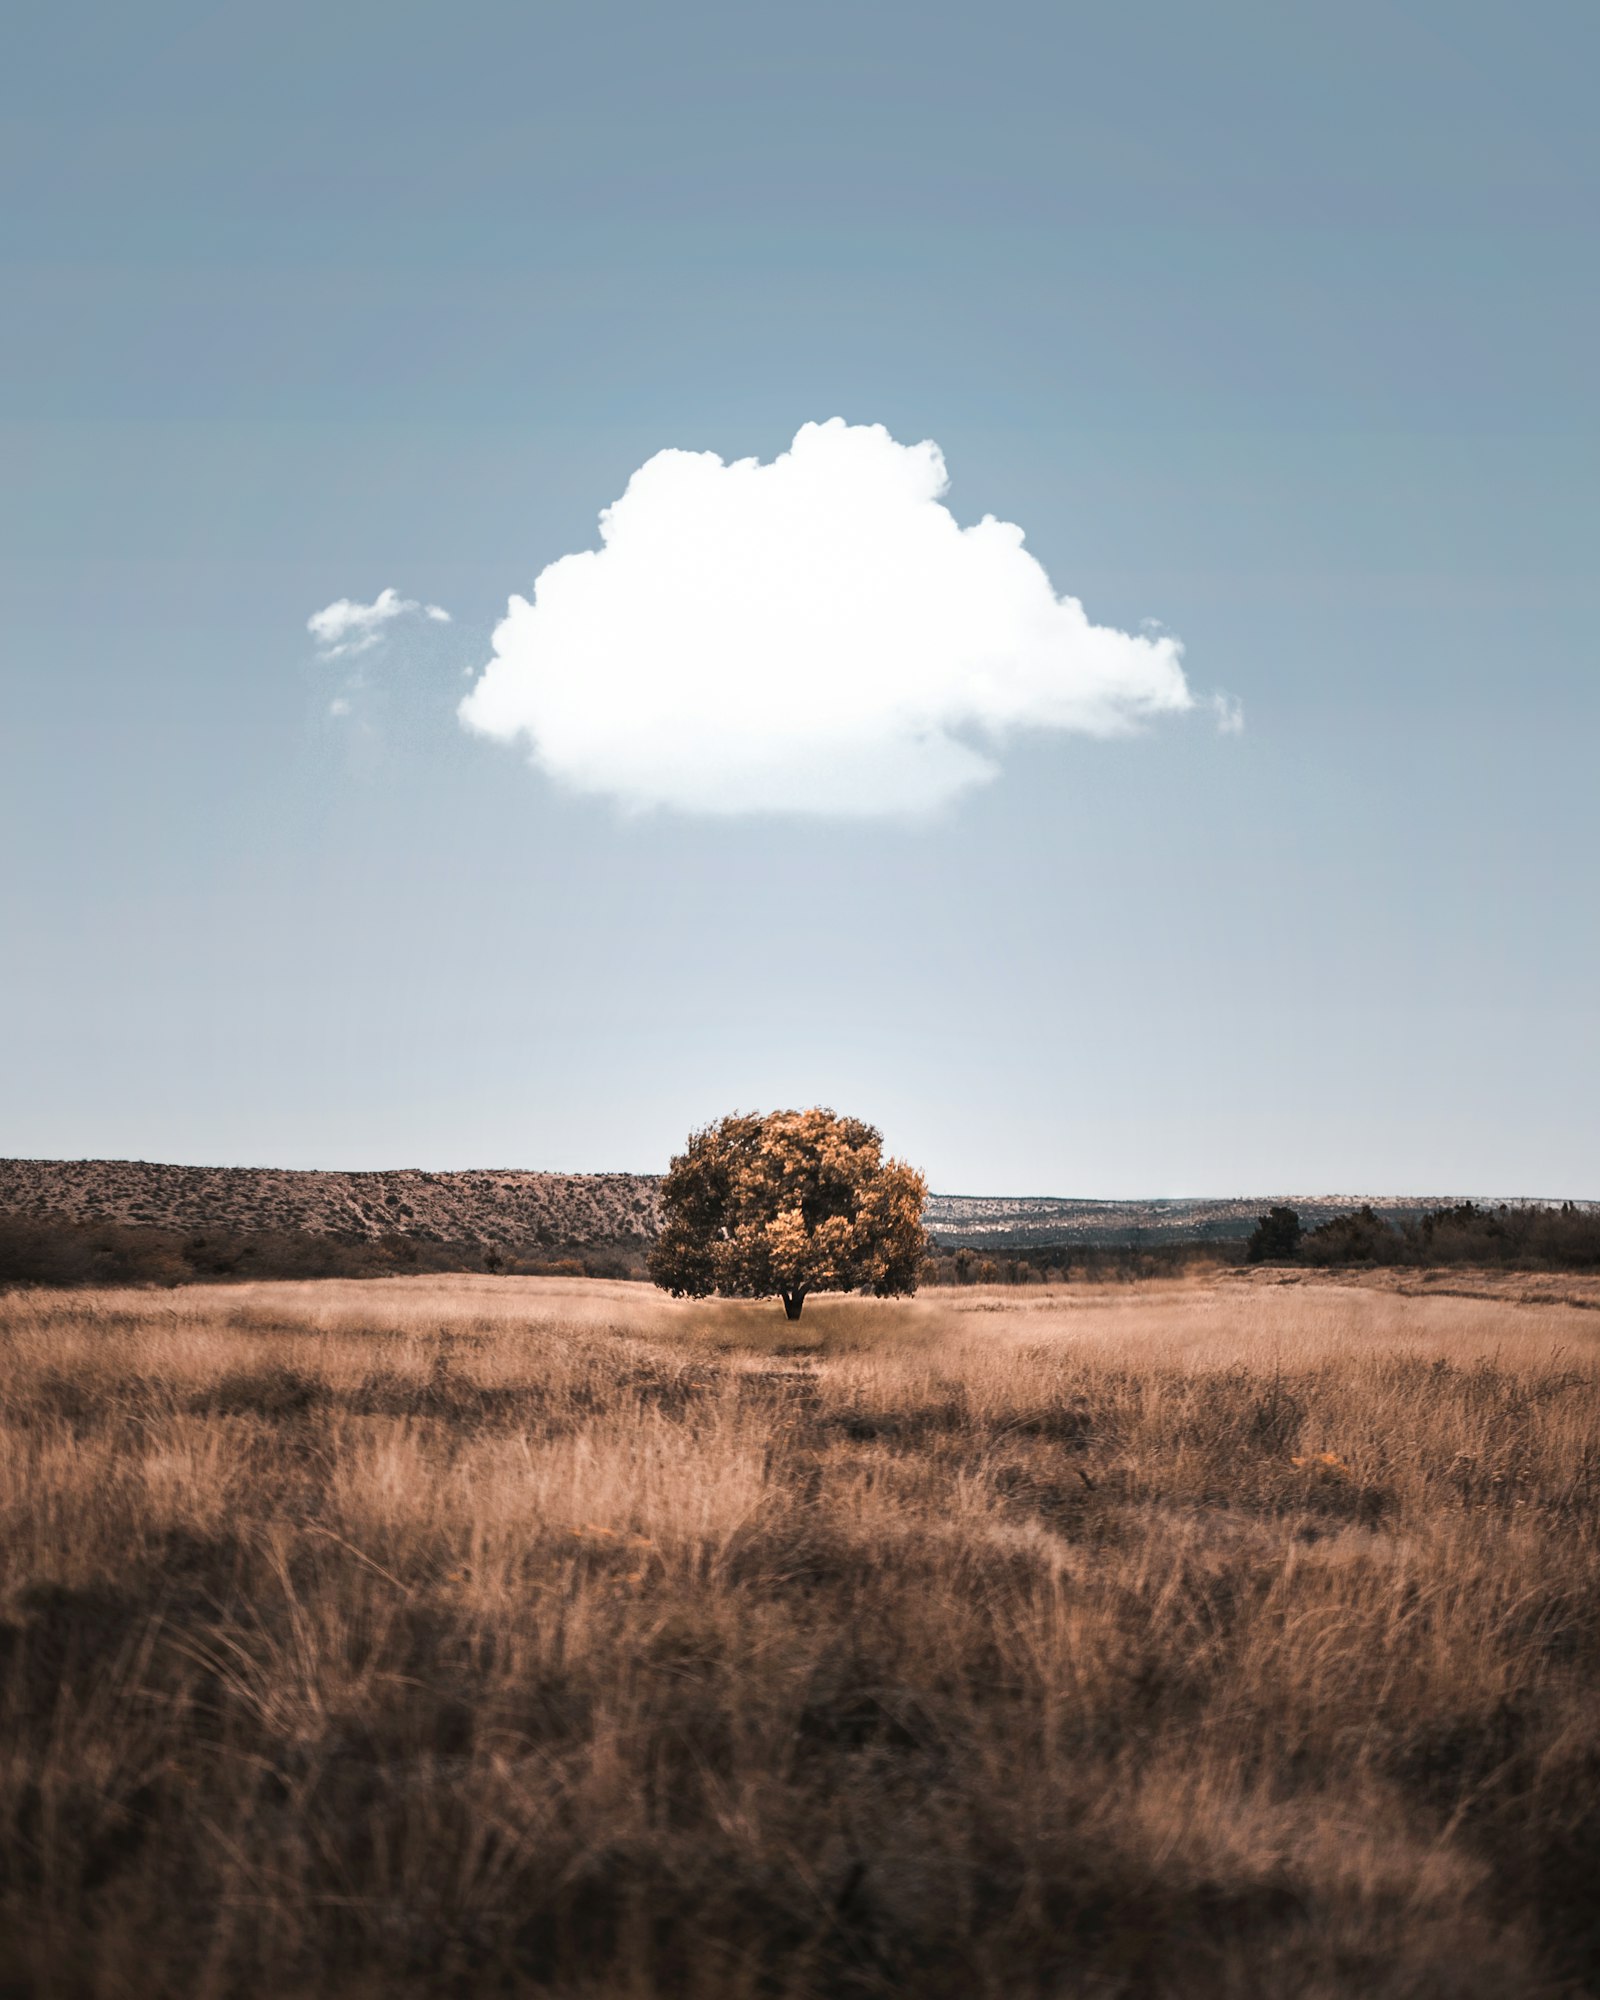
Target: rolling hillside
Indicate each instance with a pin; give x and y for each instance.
(488, 1208)
(519, 1211)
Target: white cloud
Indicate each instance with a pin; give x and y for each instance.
(347, 626)
(340, 705)
(814, 635)
(1229, 711)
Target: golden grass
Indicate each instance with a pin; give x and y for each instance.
(546, 1637)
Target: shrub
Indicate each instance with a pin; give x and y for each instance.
(1275, 1238)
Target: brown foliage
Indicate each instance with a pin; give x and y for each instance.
(789, 1204)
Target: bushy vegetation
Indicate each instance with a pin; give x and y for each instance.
(478, 1638)
(51, 1251)
(1524, 1238)
(1075, 1263)
(1275, 1238)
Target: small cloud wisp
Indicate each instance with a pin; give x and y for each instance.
(347, 627)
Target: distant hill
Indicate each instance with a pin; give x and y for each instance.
(511, 1210)
(990, 1221)
(490, 1209)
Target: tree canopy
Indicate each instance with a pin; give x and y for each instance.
(788, 1204)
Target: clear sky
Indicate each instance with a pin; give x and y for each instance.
(1275, 324)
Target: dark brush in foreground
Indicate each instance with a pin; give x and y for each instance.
(482, 1636)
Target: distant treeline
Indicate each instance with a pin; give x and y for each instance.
(46, 1250)
(49, 1250)
(1065, 1263)
(1521, 1237)
(1513, 1236)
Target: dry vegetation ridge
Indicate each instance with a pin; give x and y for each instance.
(512, 1211)
(481, 1636)
(484, 1207)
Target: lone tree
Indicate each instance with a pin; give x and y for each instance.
(796, 1202)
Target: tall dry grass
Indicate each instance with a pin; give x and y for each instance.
(475, 1636)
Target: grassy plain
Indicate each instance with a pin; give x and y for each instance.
(472, 1635)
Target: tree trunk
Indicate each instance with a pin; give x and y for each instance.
(792, 1302)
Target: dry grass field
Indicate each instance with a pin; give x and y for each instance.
(475, 1636)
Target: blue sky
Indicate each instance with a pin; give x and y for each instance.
(1274, 324)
